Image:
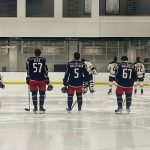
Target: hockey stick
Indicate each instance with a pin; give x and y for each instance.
(28, 109)
(72, 106)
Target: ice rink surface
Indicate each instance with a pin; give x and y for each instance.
(97, 127)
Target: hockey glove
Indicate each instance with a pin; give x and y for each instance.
(50, 87)
(2, 85)
(94, 71)
(64, 89)
(28, 80)
(47, 80)
(65, 83)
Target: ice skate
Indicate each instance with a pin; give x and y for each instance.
(79, 109)
(119, 110)
(35, 110)
(69, 109)
(42, 110)
(127, 110)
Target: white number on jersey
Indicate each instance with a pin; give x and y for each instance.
(76, 72)
(139, 69)
(127, 73)
(37, 67)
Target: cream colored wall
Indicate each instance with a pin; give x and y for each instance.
(103, 26)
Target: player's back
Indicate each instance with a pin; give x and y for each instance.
(126, 74)
(112, 67)
(76, 71)
(89, 66)
(139, 66)
(36, 68)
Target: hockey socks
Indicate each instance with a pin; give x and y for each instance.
(79, 100)
(69, 102)
(128, 101)
(119, 101)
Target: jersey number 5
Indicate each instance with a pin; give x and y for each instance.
(76, 72)
(37, 67)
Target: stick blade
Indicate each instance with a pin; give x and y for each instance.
(27, 109)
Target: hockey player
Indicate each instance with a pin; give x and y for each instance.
(92, 71)
(37, 78)
(75, 75)
(1, 83)
(125, 77)
(140, 69)
(111, 68)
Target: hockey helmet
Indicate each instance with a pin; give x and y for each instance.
(82, 59)
(2, 85)
(124, 58)
(115, 58)
(64, 89)
(138, 59)
(50, 87)
(37, 52)
(76, 55)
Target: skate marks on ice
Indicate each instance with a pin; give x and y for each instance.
(92, 129)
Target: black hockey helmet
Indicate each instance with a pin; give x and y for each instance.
(76, 55)
(37, 52)
(115, 58)
(2, 85)
(137, 58)
(64, 89)
(124, 58)
(82, 59)
(50, 87)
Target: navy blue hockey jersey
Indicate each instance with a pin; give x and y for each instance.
(76, 73)
(126, 74)
(36, 68)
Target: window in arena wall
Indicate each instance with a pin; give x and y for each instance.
(112, 7)
(8, 8)
(124, 7)
(77, 8)
(39, 8)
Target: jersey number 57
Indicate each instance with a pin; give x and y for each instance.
(37, 67)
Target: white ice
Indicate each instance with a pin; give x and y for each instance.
(97, 127)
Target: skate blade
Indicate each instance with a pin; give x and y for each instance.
(69, 111)
(109, 93)
(42, 112)
(35, 112)
(120, 112)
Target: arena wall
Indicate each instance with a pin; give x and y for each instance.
(56, 78)
(57, 26)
